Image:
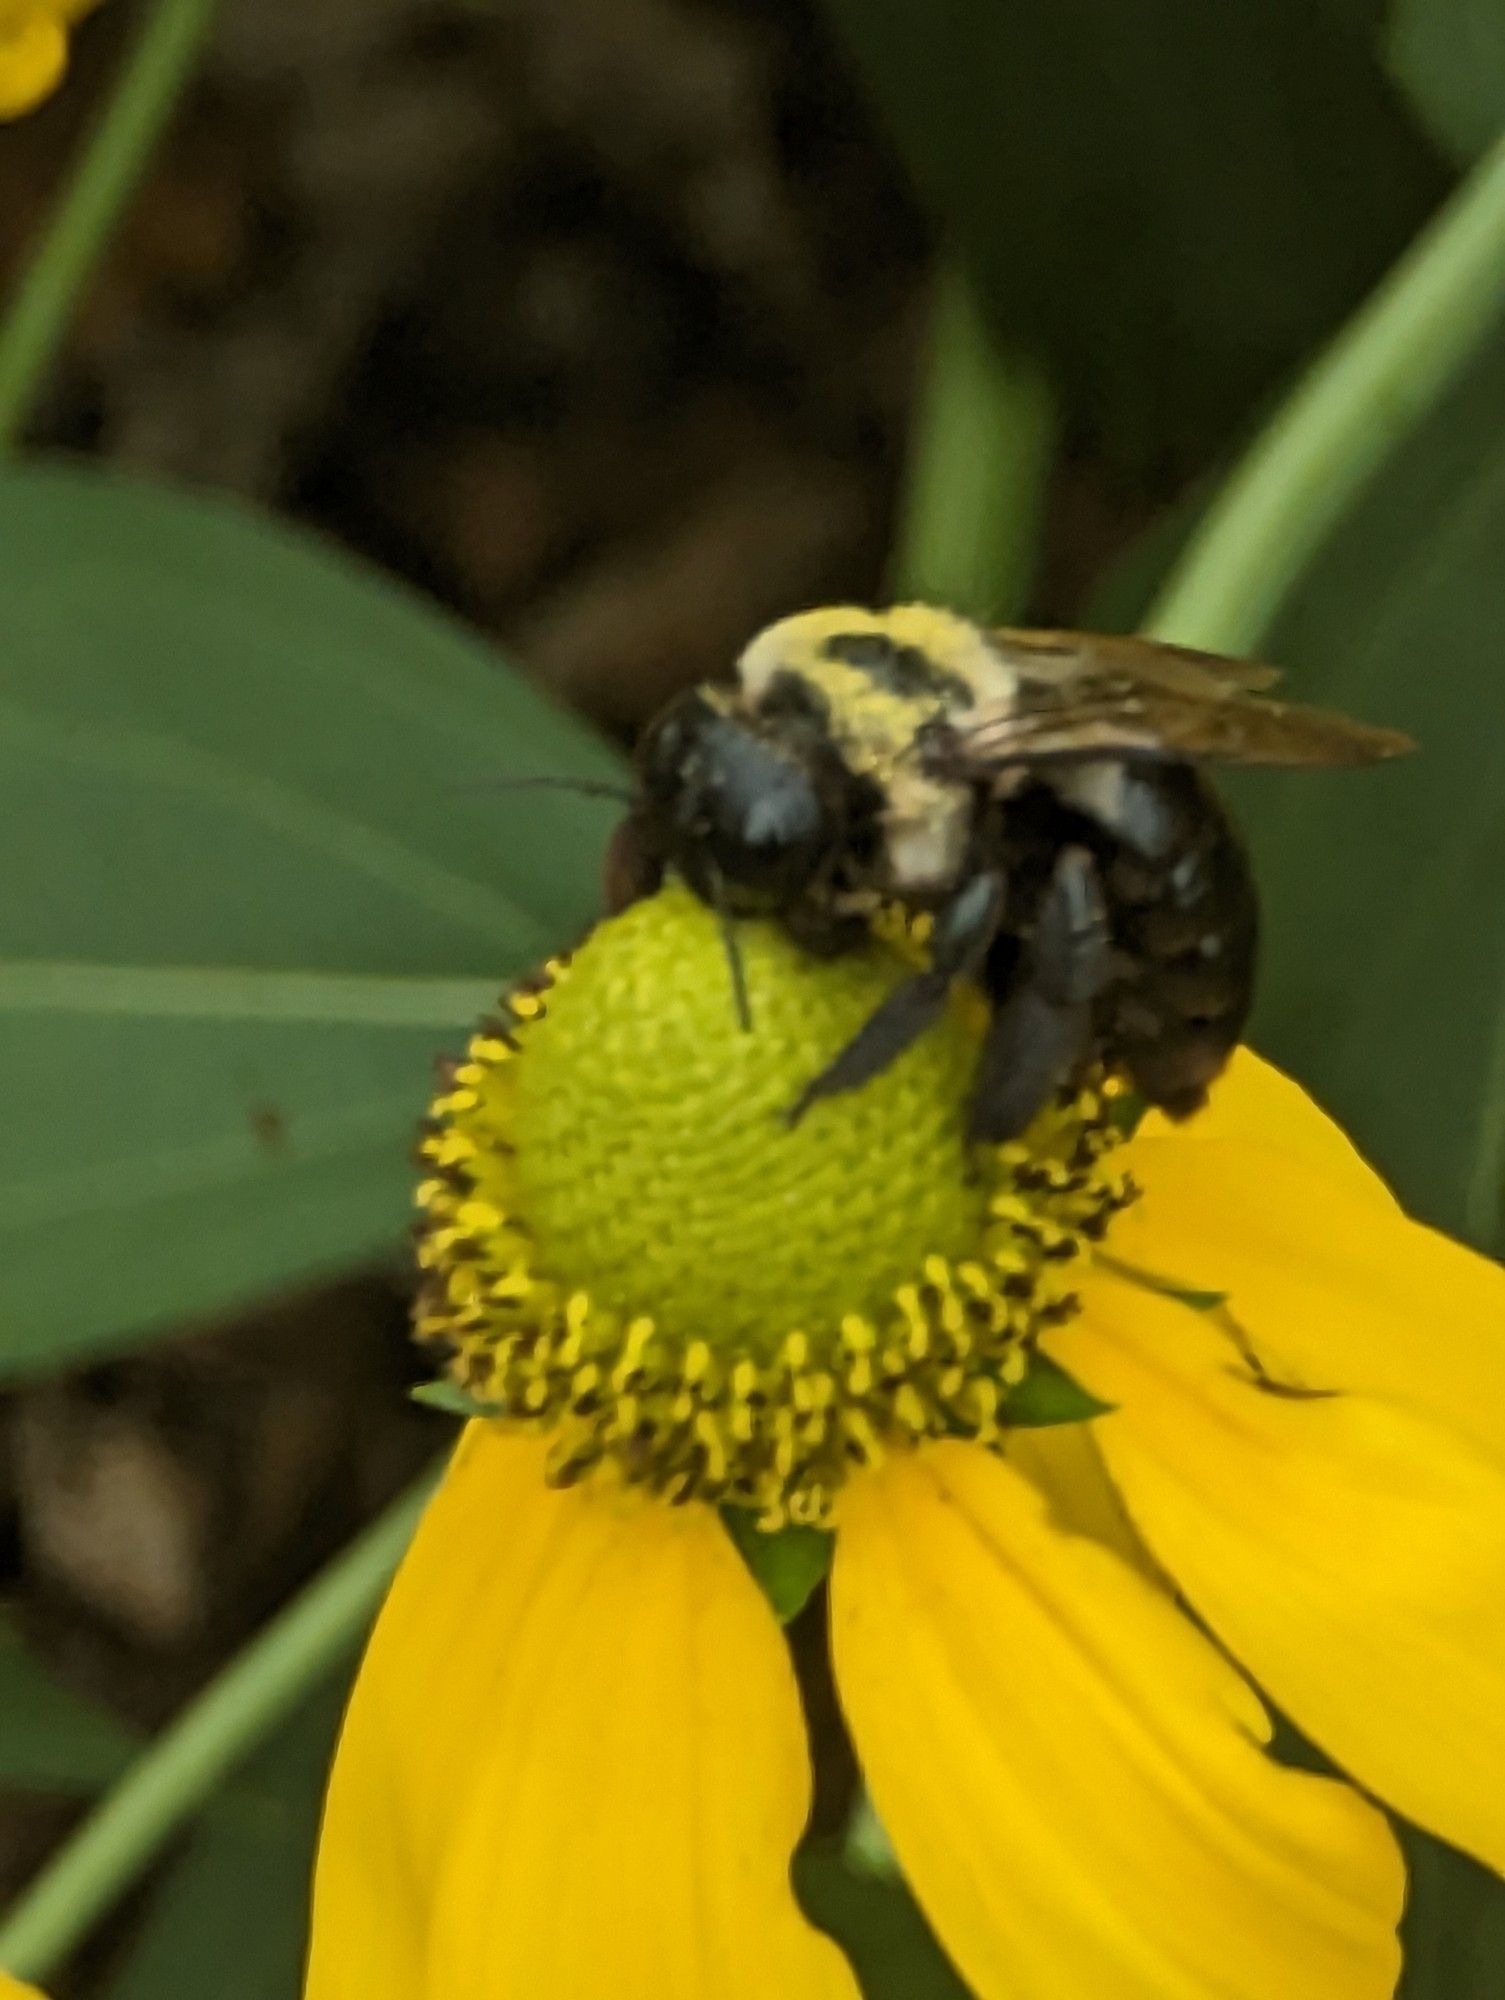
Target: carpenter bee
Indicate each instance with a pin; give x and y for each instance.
(1040, 794)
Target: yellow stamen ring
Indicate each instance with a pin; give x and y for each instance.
(660, 1391)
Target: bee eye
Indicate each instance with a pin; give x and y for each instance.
(740, 810)
(771, 841)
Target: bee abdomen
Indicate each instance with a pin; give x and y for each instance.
(1184, 914)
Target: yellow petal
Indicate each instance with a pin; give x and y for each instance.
(1071, 1774)
(33, 55)
(1257, 1104)
(1349, 1552)
(1335, 1289)
(574, 1763)
(12, 1989)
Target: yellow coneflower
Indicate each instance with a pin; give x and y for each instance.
(34, 49)
(574, 1763)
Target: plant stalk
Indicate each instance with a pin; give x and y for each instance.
(179, 1771)
(37, 316)
(1364, 394)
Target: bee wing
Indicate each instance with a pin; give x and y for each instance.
(1080, 696)
(1109, 656)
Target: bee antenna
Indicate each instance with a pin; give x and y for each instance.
(732, 946)
(588, 788)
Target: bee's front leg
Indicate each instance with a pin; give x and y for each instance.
(964, 929)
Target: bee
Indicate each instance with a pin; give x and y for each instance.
(1042, 795)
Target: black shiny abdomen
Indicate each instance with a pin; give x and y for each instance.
(1181, 907)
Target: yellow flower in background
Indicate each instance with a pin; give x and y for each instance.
(12, 1989)
(575, 1763)
(34, 49)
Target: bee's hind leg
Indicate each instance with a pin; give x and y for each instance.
(964, 929)
(1041, 1033)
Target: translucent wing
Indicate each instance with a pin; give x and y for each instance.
(1108, 654)
(1081, 695)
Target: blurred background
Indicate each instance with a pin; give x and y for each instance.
(611, 326)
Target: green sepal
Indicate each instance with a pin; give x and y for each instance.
(452, 1400)
(787, 1563)
(1049, 1396)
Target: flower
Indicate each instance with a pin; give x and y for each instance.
(574, 1761)
(34, 49)
(12, 1989)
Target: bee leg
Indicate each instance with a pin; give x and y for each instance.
(964, 930)
(1042, 1031)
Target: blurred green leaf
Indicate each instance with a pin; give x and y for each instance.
(1383, 977)
(52, 1740)
(878, 1925)
(230, 1916)
(789, 1563)
(258, 874)
(1449, 55)
(1170, 202)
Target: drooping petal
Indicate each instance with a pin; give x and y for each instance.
(1335, 1288)
(573, 1765)
(1071, 1774)
(33, 55)
(1350, 1552)
(1256, 1104)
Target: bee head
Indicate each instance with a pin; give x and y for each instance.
(745, 810)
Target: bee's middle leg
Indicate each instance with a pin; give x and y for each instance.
(964, 929)
(1041, 1032)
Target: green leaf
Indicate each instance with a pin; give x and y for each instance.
(789, 1564)
(257, 878)
(1383, 974)
(1047, 1396)
(52, 1740)
(231, 1915)
(1150, 196)
(879, 1926)
(1449, 55)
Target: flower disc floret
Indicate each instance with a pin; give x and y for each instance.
(629, 1245)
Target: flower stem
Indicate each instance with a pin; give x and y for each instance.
(979, 459)
(1381, 374)
(182, 1767)
(105, 177)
